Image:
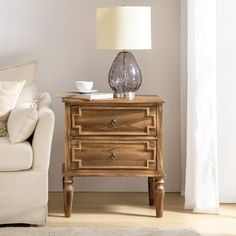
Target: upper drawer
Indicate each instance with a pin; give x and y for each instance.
(113, 120)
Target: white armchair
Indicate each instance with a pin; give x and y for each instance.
(24, 172)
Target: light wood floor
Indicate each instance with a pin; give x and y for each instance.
(132, 209)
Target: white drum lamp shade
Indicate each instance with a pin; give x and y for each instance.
(124, 27)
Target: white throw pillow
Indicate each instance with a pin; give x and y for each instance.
(9, 93)
(22, 122)
(25, 72)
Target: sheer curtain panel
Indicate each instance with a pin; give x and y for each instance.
(201, 185)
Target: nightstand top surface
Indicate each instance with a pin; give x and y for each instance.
(142, 99)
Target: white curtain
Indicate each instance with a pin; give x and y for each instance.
(201, 185)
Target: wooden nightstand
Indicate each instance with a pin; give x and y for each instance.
(116, 137)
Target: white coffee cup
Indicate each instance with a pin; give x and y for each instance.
(84, 86)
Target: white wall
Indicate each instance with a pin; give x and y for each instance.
(60, 34)
(226, 89)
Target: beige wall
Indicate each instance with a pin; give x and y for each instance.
(60, 34)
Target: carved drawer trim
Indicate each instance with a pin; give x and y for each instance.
(113, 154)
(113, 121)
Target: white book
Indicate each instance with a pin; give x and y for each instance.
(87, 96)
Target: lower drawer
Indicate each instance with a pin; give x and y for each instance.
(105, 154)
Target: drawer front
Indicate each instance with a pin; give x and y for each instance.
(113, 120)
(112, 154)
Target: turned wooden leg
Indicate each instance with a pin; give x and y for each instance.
(160, 195)
(152, 190)
(68, 195)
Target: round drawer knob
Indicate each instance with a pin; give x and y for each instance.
(114, 122)
(113, 156)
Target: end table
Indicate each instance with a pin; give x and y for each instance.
(118, 137)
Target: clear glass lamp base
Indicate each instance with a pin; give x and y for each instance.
(125, 76)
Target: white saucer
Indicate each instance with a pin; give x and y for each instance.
(82, 92)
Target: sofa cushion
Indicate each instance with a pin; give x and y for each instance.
(15, 157)
(25, 72)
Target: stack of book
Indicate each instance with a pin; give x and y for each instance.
(87, 96)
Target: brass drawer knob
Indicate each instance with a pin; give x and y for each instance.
(113, 156)
(114, 122)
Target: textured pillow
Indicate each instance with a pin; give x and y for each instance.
(22, 122)
(25, 72)
(3, 125)
(9, 93)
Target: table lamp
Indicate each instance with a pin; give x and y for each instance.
(124, 28)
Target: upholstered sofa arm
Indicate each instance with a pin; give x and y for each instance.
(42, 138)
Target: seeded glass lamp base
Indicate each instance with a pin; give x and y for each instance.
(125, 76)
